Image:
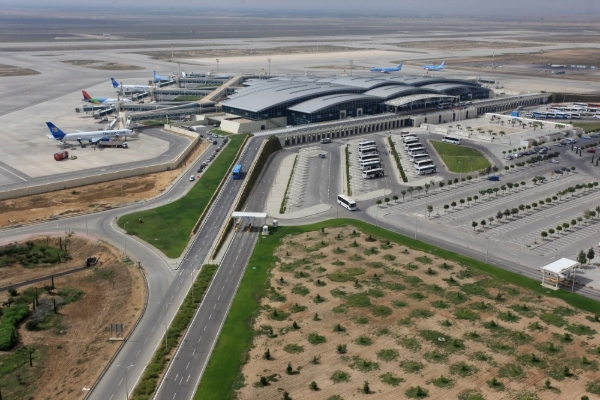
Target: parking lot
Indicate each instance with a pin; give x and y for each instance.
(362, 186)
(309, 185)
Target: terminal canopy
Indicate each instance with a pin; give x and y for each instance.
(558, 270)
(242, 214)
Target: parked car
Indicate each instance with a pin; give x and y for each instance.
(554, 161)
(591, 151)
(493, 178)
(564, 169)
(558, 171)
(192, 178)
(558, 144)
(215, 142)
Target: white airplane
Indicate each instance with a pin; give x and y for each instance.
(433, 67)
(129, 88)
(102, 100)
(91, 137)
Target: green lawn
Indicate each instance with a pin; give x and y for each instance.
(220, 132)
(454, 156)
(168, 227)
(587, 126)
(222, 373)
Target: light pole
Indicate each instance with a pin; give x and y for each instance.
(268, 59)
(460, 163)
(218, 59)
(166, 342)
(351, 66)
(487, 250)
(126, 389)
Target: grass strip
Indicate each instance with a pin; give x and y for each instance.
(187, 98)
(8, 325)
(168, 227)
(460, 158)
(287, 188)
(397, 158)
(348, 170)
(149, 380)
(587, 126)
(223, 372)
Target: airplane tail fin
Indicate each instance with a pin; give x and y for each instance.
(86, 95)
(400, 66)
(56, 132)
(442, 64)
(115, 84)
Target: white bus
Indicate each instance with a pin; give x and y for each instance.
(373, 173)
(423, 163)
(412, 146)
(450, 139)
(368, 150)
(368, 157)
(370, 165)
(417, 157)
(366, 143)
(346, 202)
(326, 140)
(575, 115)
(417, 150)
(410, 136)
(425, 170)
(410, 140)
(581, 105)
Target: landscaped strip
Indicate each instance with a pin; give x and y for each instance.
(168, 227)
(8, 325)
(397, 158)
(460, 158)
(287, 188)
(149, 380)
(223, 373)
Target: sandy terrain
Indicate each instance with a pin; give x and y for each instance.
(404, 308)
(105, 65)
(462, 45)
(574, 56)
(72, 352)
(91, 197)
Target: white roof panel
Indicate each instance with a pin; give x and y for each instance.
(560, 265)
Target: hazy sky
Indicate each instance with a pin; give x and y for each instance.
(556, 8)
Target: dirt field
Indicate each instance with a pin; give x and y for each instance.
(11, 70)
(162, 55)
(575, 56)
(72, 350)
(409, 320)
(104, 65)
(91, 197)
(462, 45)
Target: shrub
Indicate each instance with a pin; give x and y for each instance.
(12, 316)
(416, 392)
(315, 338)
(340, 376)
(391, 379)
(363, 341)
(463, 369)
(411, 367)
(293, 348)
(387, 354)
(363, 365)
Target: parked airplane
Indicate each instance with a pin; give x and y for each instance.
(434, 67)
(101, 100)
(387, 70)
(91, 137)
(129, 88)
(158, 78)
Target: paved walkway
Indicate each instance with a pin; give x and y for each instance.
(280, 185)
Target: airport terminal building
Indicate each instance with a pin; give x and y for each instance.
(307, 100)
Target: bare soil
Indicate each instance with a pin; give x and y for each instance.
(72, 352)
(462, 45)
(574, 56)
(406, 303)
(91, 198)
(104, 65)
(12, 70)
(161, 55)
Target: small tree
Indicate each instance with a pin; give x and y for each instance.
(475, 197)
(403, 193)
(551, 231)
(491, 219)
(387, 199)
(366, 388)
(446, 207)
(313, 386)
(264, 381)
(378, 202)
(286, 396)
(411, 190)
(482, 223)
(289, 368)
(573, 222)
(544, 235)
(453, 204)
(395, 198)
(429, 209)
(469, 200)
(591, 254)
(462, 201)
(474, 225)
(499, 215)
(267, 355)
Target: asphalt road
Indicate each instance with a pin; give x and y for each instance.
(191, 358)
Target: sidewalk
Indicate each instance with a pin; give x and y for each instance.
(279, 186)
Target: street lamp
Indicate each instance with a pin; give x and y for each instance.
(218, 59)
(124, 225)
(487, 250)
(166, 342)
(460, 163)
(351, 66)
(126, 390)
(268, 59)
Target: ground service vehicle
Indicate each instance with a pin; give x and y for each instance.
(63, 155)
(346, 202)
(326, 140)
(237, 172)
(451, 140)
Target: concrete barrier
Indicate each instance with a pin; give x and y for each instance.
(92, 179)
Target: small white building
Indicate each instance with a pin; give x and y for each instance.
(561, 271)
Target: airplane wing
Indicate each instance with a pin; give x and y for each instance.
(96, 139)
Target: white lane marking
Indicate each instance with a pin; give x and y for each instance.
(111, 396)
(186, 381)
(219, 298)
(153, 328)
(12, 173)
(174, 395)
(209, 317)
(181, 380)
(121, 381)
(205, 325)
(215, 307)
(187, 366)
(194, 352)
(145, 340)
(138, 353)
(222, 288)
(201, 337)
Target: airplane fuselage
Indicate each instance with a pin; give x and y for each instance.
(103, 135)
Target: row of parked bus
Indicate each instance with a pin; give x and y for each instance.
(417, 153)
(369, 161)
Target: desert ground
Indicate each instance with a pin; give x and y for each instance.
(71, 348)
(344, 308)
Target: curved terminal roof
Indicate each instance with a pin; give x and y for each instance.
(389, 92)
(320, 103)
(362, 82)
(440, 87)
(402, 101)
(260, 97)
